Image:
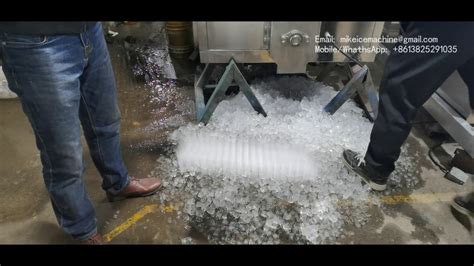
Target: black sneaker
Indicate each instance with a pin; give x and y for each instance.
(463, 208)
(464, 205)
(355, 162)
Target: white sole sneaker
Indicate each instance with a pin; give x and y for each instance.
(370, 183)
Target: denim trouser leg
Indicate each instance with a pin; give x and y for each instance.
(62, 81)
(99, 113)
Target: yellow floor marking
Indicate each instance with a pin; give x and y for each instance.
(418, 198)
(388, 200)
(414, 198)
(131, 221)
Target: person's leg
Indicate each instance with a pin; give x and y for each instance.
(100, 119)
(408, 81)
(44, 72)
(99, 112)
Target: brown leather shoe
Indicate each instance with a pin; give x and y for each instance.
(137, 188)
(94, 240)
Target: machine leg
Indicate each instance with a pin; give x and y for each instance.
(199, 89)
(247, 91)
(369, 97)
(347, 92)
(362, 84)
(232, 73)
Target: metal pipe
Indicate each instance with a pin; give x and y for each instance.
(180, 38)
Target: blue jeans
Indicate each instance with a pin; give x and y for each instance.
(63, 82)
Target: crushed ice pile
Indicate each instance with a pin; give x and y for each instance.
(237, 156)
(236, 206)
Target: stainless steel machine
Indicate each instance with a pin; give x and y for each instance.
(451, 108)
(289, 45)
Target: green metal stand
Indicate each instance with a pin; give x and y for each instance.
(232, 73)
(362, 84)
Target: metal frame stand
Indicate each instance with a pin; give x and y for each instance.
(232, 73)
(455, 124)
(362, 84)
